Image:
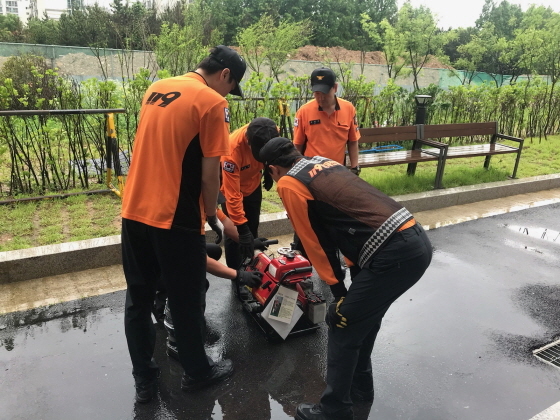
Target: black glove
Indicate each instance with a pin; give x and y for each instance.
(216, 226)
(246, 241)
(249, 278)
(259, 244)
(334, 318)
(356, 170)
(338, 290)
(267, 180)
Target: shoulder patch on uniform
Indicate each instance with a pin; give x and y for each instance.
(228, 166)
(355, 120)
(226, 114)
(296, 122)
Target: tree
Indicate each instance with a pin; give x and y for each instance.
(86, 28)
(547, 58)
(251, 39)
(285, 40)
(10, 28)
(178, 48)
(456, 38)
(500, 56)
(41, 31)
(421, 37)
(132, 25)
(173, 13)
(271, 43)
(505, 17)
(470, 58)
(392, 44)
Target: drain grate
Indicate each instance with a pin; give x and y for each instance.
(549, 354)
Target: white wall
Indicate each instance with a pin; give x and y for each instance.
(10, 6)
(53, 8)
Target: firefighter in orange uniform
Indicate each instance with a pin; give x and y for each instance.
(327, 125)
(171, 190)
(330, 208)
(241, 186)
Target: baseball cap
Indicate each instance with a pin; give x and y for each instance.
(322, 80)
(232, 61)
(274, 148)
(259, 132)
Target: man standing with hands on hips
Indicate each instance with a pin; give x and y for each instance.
(327, 125)
(172, 189)
(331, 208)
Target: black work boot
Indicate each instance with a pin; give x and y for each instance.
(146, 386)
(308, 411)
(220, 371)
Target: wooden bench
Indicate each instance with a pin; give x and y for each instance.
(395, 135)
(432, 136)
(448, 131)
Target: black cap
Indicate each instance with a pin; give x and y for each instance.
(274, 148)
(232, 61)
(259, 132)
(322, 80)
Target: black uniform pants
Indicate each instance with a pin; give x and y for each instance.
(252, 209)
(392, 271)
(178, 259)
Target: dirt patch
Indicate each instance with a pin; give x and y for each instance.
(83, 65)
(117, 222)
(342, 55)
(4, 238)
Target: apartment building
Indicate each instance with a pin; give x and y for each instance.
(21, 8)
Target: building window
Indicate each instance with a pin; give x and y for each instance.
(74, 4)
(11, 7)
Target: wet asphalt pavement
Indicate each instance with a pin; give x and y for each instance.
(458, 345)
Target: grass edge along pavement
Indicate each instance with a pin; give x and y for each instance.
(80, 217)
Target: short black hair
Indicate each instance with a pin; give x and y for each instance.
(210, 65)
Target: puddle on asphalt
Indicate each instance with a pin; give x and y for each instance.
(536, 232)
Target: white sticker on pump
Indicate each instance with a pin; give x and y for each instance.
(272, 270)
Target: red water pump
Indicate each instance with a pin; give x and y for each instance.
(289, 269)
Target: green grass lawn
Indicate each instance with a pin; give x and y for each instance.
(30, 224)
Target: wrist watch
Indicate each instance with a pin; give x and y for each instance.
(356, 170)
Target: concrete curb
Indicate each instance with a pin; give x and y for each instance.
(70, 257)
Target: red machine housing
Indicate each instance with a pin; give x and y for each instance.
(277, 269)
(292, 270)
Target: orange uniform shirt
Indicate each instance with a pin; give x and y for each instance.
(326, 135)
(295, 197)
(182, 120)
(241, 175)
